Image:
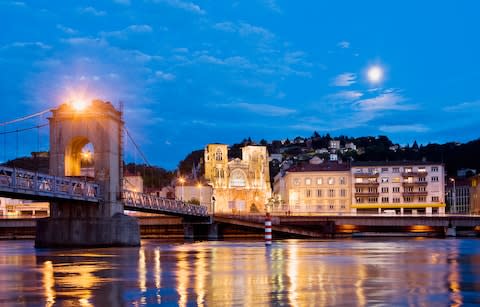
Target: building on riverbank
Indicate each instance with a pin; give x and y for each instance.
(239, 185)
(398, 187)
(314, 187)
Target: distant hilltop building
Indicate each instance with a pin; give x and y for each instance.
(239, 185)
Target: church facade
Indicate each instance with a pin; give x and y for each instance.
(239, 185)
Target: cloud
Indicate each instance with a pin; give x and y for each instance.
(244, 29)
(345, 95)
(66, 29)
(164, 76)
(388, 100)
(262, 109)
(184, 5)
(272, 5)
(464, 106)
(39, 45)
(344, 44)
(132, 29)
(92, 11)
(345, 79)
(404, 128)
(85, 41)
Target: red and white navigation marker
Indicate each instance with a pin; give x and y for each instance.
(268, 230)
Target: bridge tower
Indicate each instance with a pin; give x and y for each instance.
(85, 224)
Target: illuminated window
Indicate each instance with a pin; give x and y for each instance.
(319, 181)
(308, 181)
(396, 180)
(218, 155)
(296, 181)
(237, 178)
(331, 180)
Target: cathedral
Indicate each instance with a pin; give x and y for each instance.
(239, 185)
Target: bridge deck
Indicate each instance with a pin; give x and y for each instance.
(18, 183)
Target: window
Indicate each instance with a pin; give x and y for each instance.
(408, 169)
(237, 178)
(331, 193)
(359, 190)
(308, 181)
(396, 170)
(422, 199)
(372, 190)
(331, 206)
(409, 189)
(373, 199)
(319, 193)
(434, 168)
(342, 205)
(422, 170)
(296, 181)
(359, 200)
(343, 193)
(422, 179)
(371, 171)
(384, 179)
(319, 181)
(435, 199)
(385, 190)
(434, 179)
(396, 200)
(342, 180)
(396, 180)
(218, 155)
(408, 199)
(308, 193)
(384, 199)
(396, 189)
(358, 180)
(331, 180)
(384, 169)
(422, 189)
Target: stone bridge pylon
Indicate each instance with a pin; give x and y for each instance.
(86, 142)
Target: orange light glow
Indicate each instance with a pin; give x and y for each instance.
(79, 104)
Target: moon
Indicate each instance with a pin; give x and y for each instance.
(375, 74)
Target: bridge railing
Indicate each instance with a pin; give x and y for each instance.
(161, 204)
(18, 180)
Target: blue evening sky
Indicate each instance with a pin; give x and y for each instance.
(192, 72)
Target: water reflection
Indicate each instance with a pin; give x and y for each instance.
(293, 273)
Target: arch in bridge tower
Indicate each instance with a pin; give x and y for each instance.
(101, 125)
(80, 158)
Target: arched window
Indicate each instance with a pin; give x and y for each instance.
(237, 178)
(218, 155)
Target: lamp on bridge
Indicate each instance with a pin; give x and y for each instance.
(454, 197)
(182, 182)
(79, 104)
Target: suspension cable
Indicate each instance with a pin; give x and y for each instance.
(25, 117)
(136, 146)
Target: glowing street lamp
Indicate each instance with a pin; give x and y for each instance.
(182, 182)
(454, 196)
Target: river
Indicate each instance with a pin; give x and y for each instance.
(346, 272)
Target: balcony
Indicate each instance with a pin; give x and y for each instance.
(417, 193)
(366, 184)
(414, 174)
(367, 194)
(416, 183)
(366, 175)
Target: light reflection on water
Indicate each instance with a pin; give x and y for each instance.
(291, 273)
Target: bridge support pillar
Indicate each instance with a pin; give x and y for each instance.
(118, 230)
(201, 232)
(451, 231)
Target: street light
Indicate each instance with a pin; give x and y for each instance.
(182, 182)
(454, 195)
(213, 205)
(199, 186)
